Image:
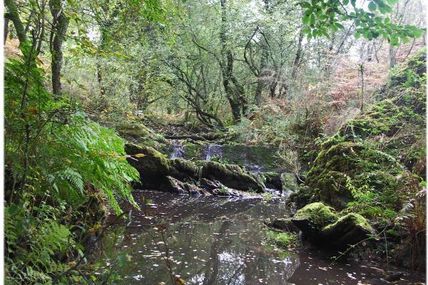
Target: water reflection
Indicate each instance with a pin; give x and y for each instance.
(202, 241)
(208, 240)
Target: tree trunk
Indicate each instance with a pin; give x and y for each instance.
(260, 80)
(13, 15)
(60, 25)
(103, 42)
(298, 57)
(6, 28)
(100, 78)
(234, 91)
(392, 56)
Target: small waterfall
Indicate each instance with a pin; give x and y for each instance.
(213, 150)
(177, 149)
(253, 168)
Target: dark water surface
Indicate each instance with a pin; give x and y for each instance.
(213, 240)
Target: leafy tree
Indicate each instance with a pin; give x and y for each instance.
(322, 17)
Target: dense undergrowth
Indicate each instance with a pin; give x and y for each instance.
(375, 164)
(63, 173)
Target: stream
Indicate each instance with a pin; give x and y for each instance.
(252, 158)
(211, 240)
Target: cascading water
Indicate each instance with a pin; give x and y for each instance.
(177, 149)
(213, 150)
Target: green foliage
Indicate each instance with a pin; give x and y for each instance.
(376, 161)
(322, 17)
(96, 155)
(34, 242)
(58, 161)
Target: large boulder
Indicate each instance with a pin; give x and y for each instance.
(322, 226)
(152, 165)
(347, 230)
(312, 218)
(231, 176)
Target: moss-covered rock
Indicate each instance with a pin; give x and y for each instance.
(347, 230)
(137, 133)
(231, 176)
(184, 169)
(176, 186)
(152, 165)
(321, 225)
(313, 217)
(363, 164)
(176, 175)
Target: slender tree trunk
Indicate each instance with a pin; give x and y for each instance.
(100, 78)
(234, 91)
(260, 80)
(60, 25)
(14, 17)
(101, 47)
(361, 71)
(392, 56)
(6, 28)
(298, 57)
(263, 64)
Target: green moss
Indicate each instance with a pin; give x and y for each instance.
(362, 167)
(184, 168)
(317, 213)
(267, 197)
(231, 176)
(163, 159)
(148, 160)
(193, 150)
(352, 218)
(407, 75)
(282, 239)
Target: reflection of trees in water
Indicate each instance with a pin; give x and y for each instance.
(213, 263)
(231, 259)
(206, 242)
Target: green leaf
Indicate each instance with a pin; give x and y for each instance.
(306, 19)
(372, 6)
(312, 19)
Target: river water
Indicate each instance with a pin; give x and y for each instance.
(210, 240)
